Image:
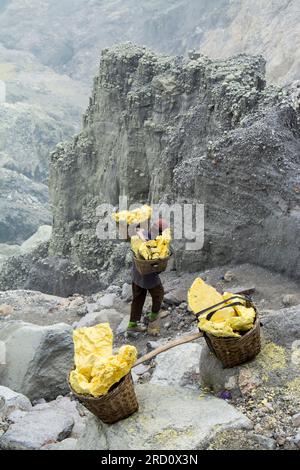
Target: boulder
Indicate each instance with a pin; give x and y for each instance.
(159, 426)
(71, 408)
(112, 316)
(42, 235)
(296, 420)
(107, 301)
(176, 296)
(126, 292)
(38, 358)
(178, 366)
(123, 325)
(11, 401)
(93, 437)
(36, 429)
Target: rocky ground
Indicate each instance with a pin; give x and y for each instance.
(254, 406)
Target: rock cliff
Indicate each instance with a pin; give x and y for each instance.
(185, 130)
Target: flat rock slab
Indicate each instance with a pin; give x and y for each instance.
(36, 429)
(178, 366)
(168, 418)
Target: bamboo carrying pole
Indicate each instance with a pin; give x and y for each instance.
(169, 345)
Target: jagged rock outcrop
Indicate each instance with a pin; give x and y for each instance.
(180, 130)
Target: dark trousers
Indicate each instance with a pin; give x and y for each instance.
(139, 297)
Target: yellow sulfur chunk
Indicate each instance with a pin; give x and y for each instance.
(152, 249)
(228, 295)
(135, 216)
(107, 373)
(79, 383)
(222, 315)
(135, 243)
(222, 330)
(97, 368)
(90, 344)
(240, 324)
(202, 296)
(245, 312)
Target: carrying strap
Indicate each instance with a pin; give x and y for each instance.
(220, 306)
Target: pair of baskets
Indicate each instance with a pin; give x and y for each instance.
(119, 403)
(234, 351)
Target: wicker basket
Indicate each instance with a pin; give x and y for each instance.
(148, 266)
(235, 351)
(119, 403)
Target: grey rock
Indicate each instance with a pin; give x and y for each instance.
(265, 442)
(289, 300)
(113, 289)
(123, 325)
(175, 297)
(38, 358)
(67, 444)
(111, 316)
(229, 276)
(93, 438)
(141, 369)
(42, 235)
(296, 420)
(71, 408)
(126, 292)
(36, 429)
(297, 440)
(153, 345)
(178, 366)
(158, 425)
(11, 401)
(107, 301)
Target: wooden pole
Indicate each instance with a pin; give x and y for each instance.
(169, 345)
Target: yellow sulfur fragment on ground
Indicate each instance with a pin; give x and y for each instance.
(96, 367)
(135, 216)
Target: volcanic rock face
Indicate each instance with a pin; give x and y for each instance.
(168, 129)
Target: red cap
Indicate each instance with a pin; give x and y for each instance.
(161, 224)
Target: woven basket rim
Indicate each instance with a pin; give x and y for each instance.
(248, 333)
(108, 395)
(147, 261)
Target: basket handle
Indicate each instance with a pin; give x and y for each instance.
(217, 306)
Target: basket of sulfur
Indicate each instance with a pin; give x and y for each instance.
(101, 380)
(152, 256)
(229, 322)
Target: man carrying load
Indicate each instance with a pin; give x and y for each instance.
(141, 284)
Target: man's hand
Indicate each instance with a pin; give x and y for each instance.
(140, 232)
